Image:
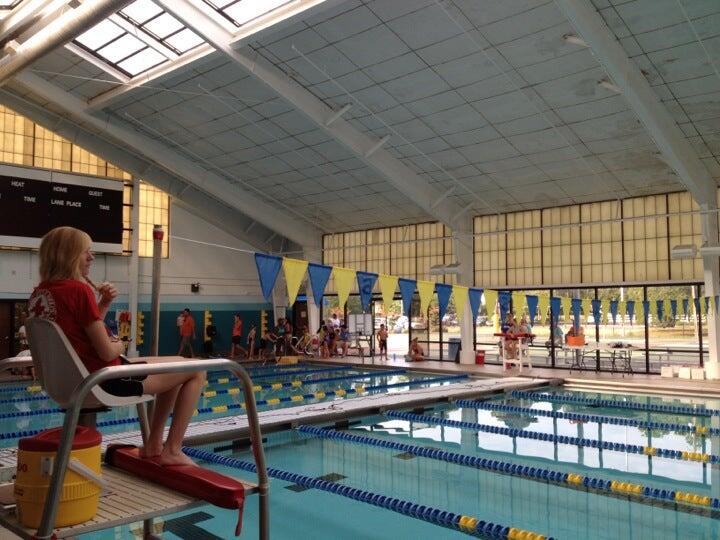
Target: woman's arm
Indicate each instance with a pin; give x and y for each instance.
(107, 349)
(108, 293)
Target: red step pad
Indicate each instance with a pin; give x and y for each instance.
(190, 480)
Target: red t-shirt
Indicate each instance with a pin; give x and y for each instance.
(72, 305)
(237, 329)
(188, 326)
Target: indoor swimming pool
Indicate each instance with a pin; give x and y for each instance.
(516, 465)
(25, 409)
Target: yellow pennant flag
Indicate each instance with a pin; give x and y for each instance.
(294, 270)
(586, 308)
(622, 310)
(703, 305)
(344, 279)
(565, 303)
(519, 301)
(460, 294)
(387, 284)
(605, 310)
(426, 289)
(667, 308)
(640, 312)
(653, 310)
(490, 302)
(543, 307)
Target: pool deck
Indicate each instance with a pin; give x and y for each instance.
(586, 380)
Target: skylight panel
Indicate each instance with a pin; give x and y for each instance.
(99, 35)
(121, 48)
(141, 11)
(243, 11)
(163, 26)
(141, 62)
(184, 41)
(9, 4)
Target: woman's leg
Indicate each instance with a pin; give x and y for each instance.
(176, 392)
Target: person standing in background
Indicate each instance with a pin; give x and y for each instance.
(237, 337)
(187, 333)
(251, 337)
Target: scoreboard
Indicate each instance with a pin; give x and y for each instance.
(33, 202)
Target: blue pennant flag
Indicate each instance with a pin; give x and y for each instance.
(630, 309)
(366, 282)
(660, 310)
(595, 303)
(614, 310)
(474, 296)
(696, 303)
(407, 289)
(576, 308)
(646, 309)
(555, 308)
(443, 293)
(268, 267)
(532, 304)
(319, 276)
(686, 306)
(673, 309)
(504, 301)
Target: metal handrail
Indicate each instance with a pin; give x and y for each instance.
(47, 524)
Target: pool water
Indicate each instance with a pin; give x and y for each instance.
(550, 508)
(21, 411)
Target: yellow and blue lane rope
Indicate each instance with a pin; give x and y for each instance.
(561, 439)
(297, 383)
(459, 522)
(615, 404)
(597, 485)
(281, 373)
(643, 424)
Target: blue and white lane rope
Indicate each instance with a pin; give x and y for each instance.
(450, 520)
(227, 378)
(615, 404)
(579, 417)
(596, 485)
(560, 439)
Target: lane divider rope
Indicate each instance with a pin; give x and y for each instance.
(561, 439)
(528, 411)
(615, 404)
(227, 379)
(450, 520)
(596, 485)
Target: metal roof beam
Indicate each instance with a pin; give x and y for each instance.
(369, 150)
(205, 180)
(642, 99)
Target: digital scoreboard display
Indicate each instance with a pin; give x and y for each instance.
(30, 207)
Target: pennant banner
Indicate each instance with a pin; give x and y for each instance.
(543, 306)
(366, 282)
(576, 307)
(518, 304)
(407, 289)
(344, 278)
(660, 309)
(595, 306)
(426, 289)
(504, 301)
(460, 294)
(706, 306)
(388, 284)
(566, 308)
(667, 308)
(673, 309)
(586, 308)
(319, 275)
(614, 310)
(474, 298)
(555, 305)
(645, 311)
(268, 267)
(294, 270)
(686, 307)
(443, 293)
(630, 309)
(696, 305)
(491, 298)
(605, 310)
(626, 311)
(532, 304)
(651, 310)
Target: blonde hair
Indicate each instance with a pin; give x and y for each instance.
(61, 251)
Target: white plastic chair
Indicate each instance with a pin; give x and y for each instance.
(60, 370)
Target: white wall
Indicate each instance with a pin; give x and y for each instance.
(225, 276)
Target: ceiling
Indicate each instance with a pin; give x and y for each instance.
(482, 100)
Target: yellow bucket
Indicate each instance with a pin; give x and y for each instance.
(81, 490)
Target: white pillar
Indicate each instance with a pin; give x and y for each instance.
(711, 275)
(312, 254)
(463, 246)
(133, 266)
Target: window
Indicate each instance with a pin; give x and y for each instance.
(17, 138)
(154, 210)
(601, 243)
(404, 252)
(646, 238)
(241, 12)
(524, 263)
(683, 230)
(490, 251)
(561, 245)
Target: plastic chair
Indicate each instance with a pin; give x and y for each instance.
(60, 370)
